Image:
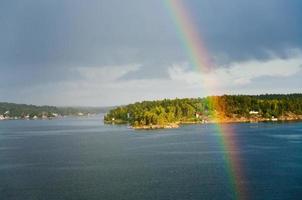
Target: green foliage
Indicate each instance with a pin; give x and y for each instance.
(183, 110)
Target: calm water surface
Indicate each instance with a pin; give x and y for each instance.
(85, 159)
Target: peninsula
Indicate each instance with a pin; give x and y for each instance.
(213, 109)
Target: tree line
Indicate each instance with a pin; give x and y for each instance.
(192, 109)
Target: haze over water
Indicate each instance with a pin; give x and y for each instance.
(81, 158)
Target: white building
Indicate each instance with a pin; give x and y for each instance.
(252, 112)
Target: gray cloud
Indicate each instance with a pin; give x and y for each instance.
(249, 29)
(43, 42)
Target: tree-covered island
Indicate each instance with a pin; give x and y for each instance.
(227, 108)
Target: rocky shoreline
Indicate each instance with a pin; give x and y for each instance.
(221, 120)
(150, 127)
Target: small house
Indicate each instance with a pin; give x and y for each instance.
(252, 112)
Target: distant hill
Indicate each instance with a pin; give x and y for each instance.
(226, 108)
(13, 110)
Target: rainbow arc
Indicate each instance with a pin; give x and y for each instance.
(201, 62)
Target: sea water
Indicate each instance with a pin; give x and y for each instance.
(81, 158)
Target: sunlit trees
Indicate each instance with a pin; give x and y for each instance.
(182, 110)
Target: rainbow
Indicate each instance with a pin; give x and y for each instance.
(201, 61)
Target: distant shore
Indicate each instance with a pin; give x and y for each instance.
(13, 111)
(44, 117)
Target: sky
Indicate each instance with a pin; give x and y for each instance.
(112, 52)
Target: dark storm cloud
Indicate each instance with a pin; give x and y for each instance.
(82, 33)
(76, 33)
(244, 29)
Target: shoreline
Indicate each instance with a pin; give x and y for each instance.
(44, 118)
(220, 121)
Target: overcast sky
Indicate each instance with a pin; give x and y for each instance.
(100, 53)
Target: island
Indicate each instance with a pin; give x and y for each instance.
(170, 113)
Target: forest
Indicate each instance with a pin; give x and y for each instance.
(187, 110)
